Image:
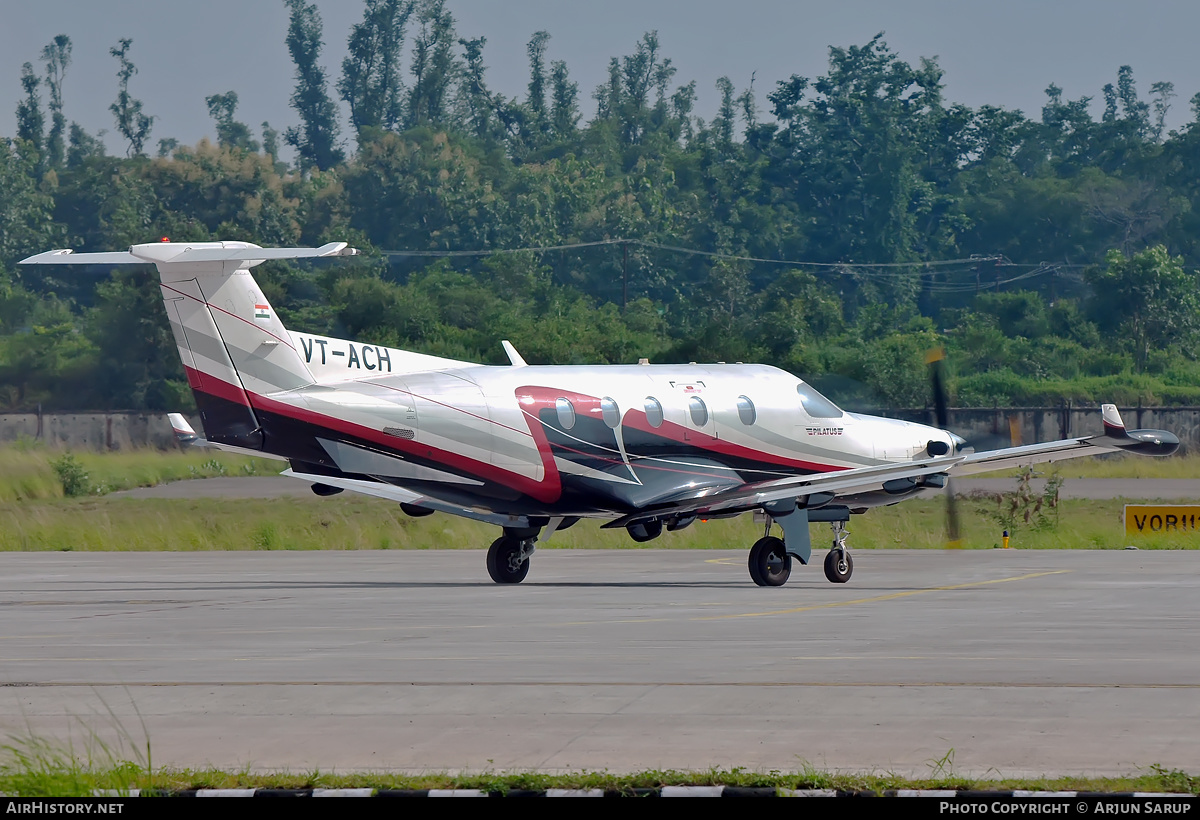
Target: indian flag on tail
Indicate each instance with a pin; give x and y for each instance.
(262, 311)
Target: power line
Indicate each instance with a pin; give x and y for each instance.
(537, 249)
(846, 268)
(863, 270)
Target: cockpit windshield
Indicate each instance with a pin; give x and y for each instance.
(816, 405)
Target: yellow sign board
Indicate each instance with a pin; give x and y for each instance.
(1159, 519)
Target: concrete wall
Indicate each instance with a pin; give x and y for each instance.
(983, 427)
(92, 431)
(991, 427)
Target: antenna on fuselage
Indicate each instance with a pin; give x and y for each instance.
(513, 356)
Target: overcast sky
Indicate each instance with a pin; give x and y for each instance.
(1000, 53)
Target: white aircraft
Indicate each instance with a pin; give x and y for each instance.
(533, 449)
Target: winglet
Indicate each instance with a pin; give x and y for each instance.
(513, 356)
(184, 433)
(1143, 442)
(1114, 427)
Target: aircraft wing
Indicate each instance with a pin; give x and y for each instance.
(990, 460)
(901, 477)
(179, 252)
(1114, 438)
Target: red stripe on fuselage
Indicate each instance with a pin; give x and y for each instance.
(218, 388)
(547, 490)
(531, 399)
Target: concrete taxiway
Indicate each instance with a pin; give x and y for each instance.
(999, 662)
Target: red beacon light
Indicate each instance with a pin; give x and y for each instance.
(165, 239)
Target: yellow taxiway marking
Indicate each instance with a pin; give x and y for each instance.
(893, 596)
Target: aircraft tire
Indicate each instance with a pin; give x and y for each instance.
(769, 563)
(502, 564)
(833, 572)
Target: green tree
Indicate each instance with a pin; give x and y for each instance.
(270, 142)
(137, 364)
(57, 57)
(1150, 298)
(84, 146)
(723, 123)
(230, 132)
(425, 173)
(475, 100)
(133, 125)
(371, 83)
(44, 363)
(625, 101)
(870, 161)
(31, 123)
(564, 101)
(26, 212)
(536, 99)
(434, 68)
(316, 138)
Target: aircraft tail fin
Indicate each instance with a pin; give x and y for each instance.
(233, 345)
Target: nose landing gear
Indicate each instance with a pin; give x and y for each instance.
(770, 559)
(839, 566)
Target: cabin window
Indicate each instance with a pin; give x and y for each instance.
(566, 413)
(654, 412)
(699, 411)
(816, 405)
(612, 413)
(746, 410)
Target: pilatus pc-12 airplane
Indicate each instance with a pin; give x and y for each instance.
(533, 449)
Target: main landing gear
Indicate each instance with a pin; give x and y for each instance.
(770, 565)
(508, 556)
(770, 562)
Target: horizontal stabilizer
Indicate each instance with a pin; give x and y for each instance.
(191, 255)
(66, 256)
(187, 436)
(188, 253)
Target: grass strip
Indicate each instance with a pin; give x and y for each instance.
(46, 773)
(349, 522)
(27, 470)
